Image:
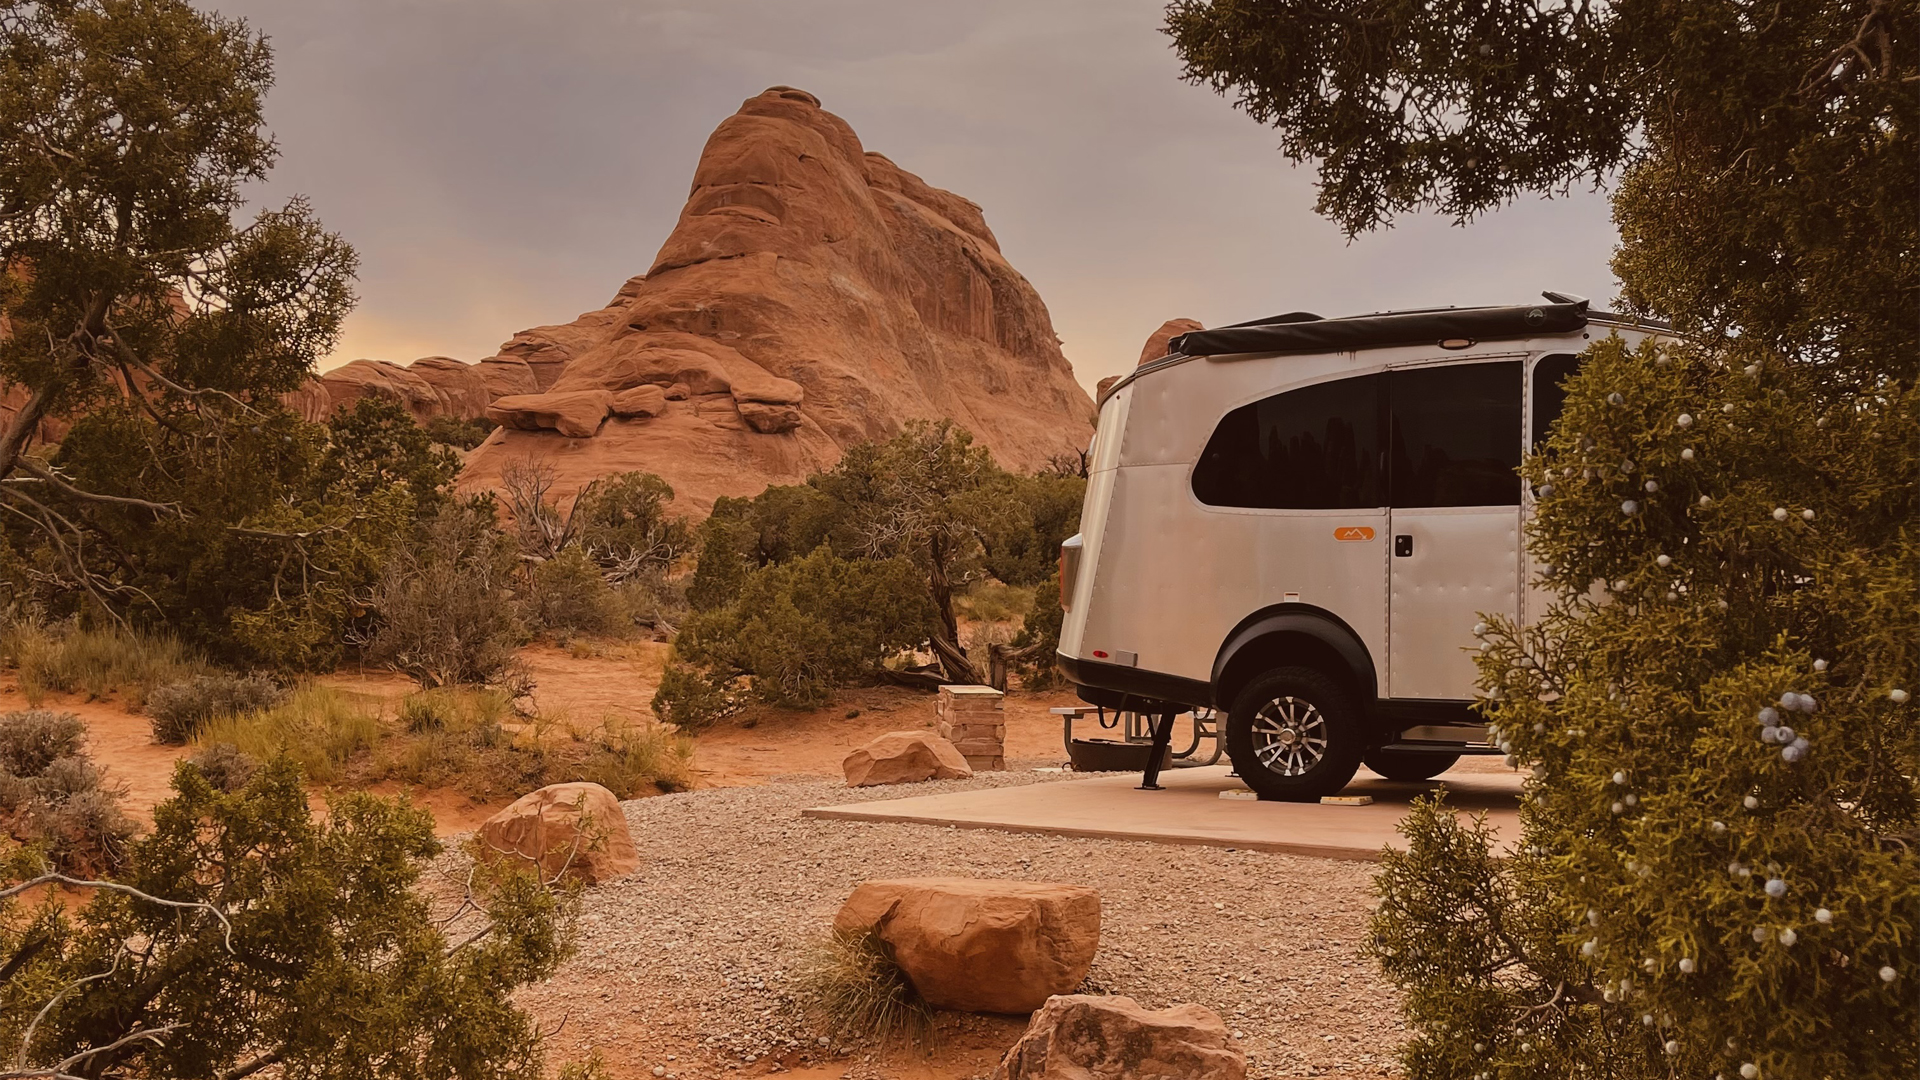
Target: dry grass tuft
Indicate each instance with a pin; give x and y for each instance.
(67, 659)
(322, 729)
(471, 740)
(465, 739)
(993, 601)
(851, 985)
(628, 759)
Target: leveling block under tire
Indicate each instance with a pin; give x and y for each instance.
(1294, 735)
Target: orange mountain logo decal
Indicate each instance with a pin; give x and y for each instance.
(1353, 532)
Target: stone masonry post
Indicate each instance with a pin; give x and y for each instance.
(974, 720)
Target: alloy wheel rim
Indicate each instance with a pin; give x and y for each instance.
(1289, 736)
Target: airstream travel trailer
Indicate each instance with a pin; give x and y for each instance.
(1299, 520)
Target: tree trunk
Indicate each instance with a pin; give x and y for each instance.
(21, 429)
(946, 636)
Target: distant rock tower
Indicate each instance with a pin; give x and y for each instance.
(813, 296)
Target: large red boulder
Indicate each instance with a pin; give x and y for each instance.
(1095, 1037)
(576, 415)
(564, 829)
(905, 757)
(981, 945)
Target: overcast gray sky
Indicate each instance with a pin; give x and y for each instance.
(505, 163)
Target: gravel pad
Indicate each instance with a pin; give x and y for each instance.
(691, 955)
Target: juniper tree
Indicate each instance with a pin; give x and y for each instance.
(1716, 874)
(248, 936)
(140, 305)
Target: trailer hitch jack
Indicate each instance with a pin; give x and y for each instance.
(1162, 740)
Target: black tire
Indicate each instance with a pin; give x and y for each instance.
(1405, 765)
(1294, 735)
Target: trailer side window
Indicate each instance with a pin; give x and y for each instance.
(1316, 448)
(1456, 435)
(1550, 374)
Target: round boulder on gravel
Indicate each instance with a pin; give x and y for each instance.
(905, 757)
(566, 829)
(981, 945)
(1094, 1037)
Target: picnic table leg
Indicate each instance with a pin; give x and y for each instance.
(1162, 739)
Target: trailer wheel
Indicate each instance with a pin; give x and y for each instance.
(1405, 765)
(1294, 735)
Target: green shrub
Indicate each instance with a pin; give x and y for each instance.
(1038, 642)
(55, 799)
(457, 433)
(1696, 833)
(1028, 519)
(567, 595)
(725, 555)
(796, 631)
(622, 521)
(177, 710)
(652, 601)
(318, 728)
(691, 698)
(375, 444)
(1716, 871)
(928, 496)
(312, 926)
(446, 615)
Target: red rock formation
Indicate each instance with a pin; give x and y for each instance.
(812, 296)
(461, 389)
(1156, 346)
(1154, 349)
(311, 402)
(381, 378)
(430, 386)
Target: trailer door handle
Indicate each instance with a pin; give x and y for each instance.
(1402, 545)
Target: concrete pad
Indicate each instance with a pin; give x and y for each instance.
(1190, 811)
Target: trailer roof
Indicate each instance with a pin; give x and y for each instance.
(1303, 332)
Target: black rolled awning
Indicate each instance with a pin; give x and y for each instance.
(1301, 332)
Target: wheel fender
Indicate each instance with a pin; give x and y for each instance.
(1322, 626)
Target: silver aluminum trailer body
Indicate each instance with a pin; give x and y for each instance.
(1187, 584)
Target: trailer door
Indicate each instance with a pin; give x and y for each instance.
(1454, 452)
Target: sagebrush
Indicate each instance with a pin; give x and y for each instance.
(177, 710)
(54, 799)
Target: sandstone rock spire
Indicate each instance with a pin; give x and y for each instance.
(814, 295)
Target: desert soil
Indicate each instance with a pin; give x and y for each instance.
(687, 965)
